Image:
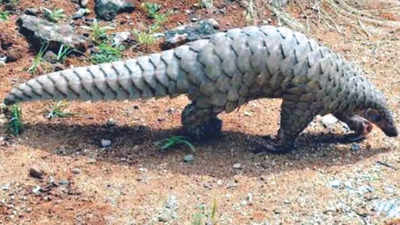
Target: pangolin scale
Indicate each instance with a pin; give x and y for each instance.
(225, 71)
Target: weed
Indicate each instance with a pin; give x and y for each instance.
(4, 15)
(58, 111)
(37, 61)
(54, 15)
(98, 32)
(151, 9)
(107, 53)
(63, 52)
(15, 122)
(173, 141)
(198, 218)
(145, 38)
(206, 3)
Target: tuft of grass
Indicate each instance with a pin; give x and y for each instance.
(4, 15)
(211, 217)
(206, 4)
(58, 111)
(15, 124)
(151, 9)
(37, 61)
(63, 52)
(98, 33)
(107, 53)
(54, 15)
(173, 141)
(145, 38)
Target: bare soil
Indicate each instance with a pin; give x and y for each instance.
(129, 182)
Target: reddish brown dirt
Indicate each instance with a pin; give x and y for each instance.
(129, 182)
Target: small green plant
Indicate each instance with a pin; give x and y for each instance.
(4, 15)
(54, 15)
(145, 38)
(58, 111)
(107, 53)
(98, 33)
(15, 120)
(198, 218)
(37, 61)
(151, 9)
(206, 3)
(63, 52)
(173, 141)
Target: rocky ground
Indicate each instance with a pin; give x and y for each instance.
(101, 165)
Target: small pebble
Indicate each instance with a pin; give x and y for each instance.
(36, 190)
(355, 147)
(105, 143)
(76, 171)
(35, 173)
(188, 158)
(335, 183)
(237, 166)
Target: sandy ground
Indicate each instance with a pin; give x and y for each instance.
(133, 182)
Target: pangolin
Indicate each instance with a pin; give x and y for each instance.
(226, 70)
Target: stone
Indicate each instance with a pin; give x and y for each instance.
(188, 158)
(80, 13)
(35, 173)
(279, 3)
(39, 31)
(105, 143)
(190, 32)
(108, 9)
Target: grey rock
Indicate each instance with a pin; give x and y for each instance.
(121, 37)
(108, 9)
(63, 182)
(38, 30)
(355, 147)
(3, 60)
(76, 171)
(188, 158)
(36, 190)
(83, 3)
(190, 32)
(105, 143)
(237, 166)
(80, 13)
(279, 3)
(389, 208)
(335, 183)
(169, 211)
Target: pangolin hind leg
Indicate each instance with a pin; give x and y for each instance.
(201, 122)
(295, 116)
(358, 124)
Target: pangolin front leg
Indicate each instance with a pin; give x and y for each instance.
(200, 121)
(295, 116)
(358, 124)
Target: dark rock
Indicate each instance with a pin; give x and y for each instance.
(31, 11)
(190, 32)
(35, 173)
(38, 30)
(108, 9)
